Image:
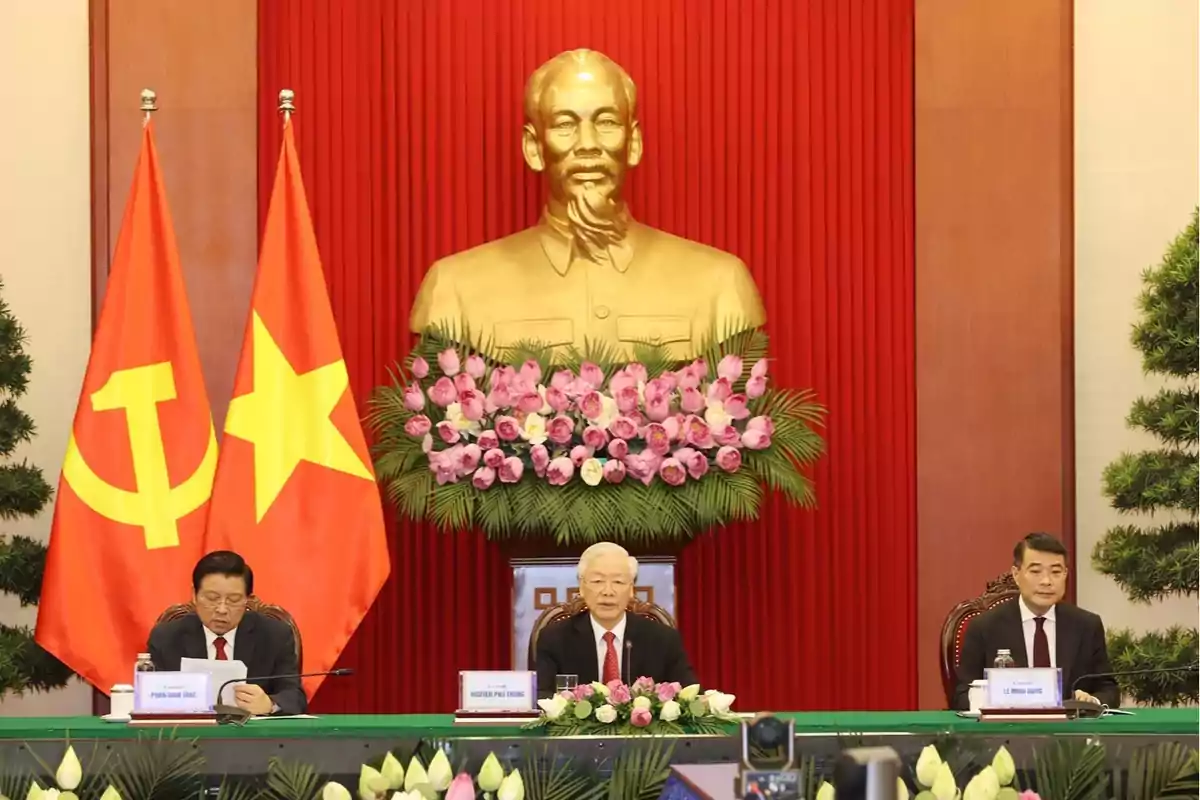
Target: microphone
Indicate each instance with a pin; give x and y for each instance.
(238, 716)
(628, 662)
(1083, 707)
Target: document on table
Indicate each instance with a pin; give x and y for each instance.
(220, 671)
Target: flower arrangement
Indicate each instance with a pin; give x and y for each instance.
(589, 446)
(645, 707)
(935, 780)
(392, 781)
(67, 779)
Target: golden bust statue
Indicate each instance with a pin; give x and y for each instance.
(587, 270)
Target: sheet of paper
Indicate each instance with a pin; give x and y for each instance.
(220, 671)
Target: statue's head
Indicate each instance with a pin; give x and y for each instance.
(581, 132)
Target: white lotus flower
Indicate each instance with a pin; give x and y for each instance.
(534, 429)
(719, 702)
(553, 706)
(335, 791)
(111, 793)
(512, 787)
(392, 771)
(491, 774)
(901, 789)
(825, 792)
(944, 787)
(927, 766)
(416, 774)
(70, 772)
(689, 693)
(1003, 764)
(440, 772)
(370, 783)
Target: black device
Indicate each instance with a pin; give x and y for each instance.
(758, 783)
(234, 715)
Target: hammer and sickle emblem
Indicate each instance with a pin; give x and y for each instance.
(156, 506)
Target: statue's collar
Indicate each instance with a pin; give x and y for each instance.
(560, 249)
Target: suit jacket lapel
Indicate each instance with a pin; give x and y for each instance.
(195, 645)
(245, 641)
(1014, 634)
(1066, 645)
(585, 645)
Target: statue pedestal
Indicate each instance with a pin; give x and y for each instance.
(539, 583)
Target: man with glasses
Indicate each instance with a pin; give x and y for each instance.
(604, 643)
(1039, 630)
(223, 629)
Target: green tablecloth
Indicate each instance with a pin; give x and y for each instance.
(1145, 722)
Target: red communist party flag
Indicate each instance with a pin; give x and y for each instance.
(129, 521)
(295, 493)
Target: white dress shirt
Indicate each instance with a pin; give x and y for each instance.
(618, 631)
(1029, 627)
(210, 638)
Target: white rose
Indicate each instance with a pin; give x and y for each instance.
(534, 429)
(553, 707)
(545, 409)
(715, 415)
(927, 766)
(592, 471)
(719, 702)
(600, 689)
(608, 411)
(606, 714)
(455, 417)
(670, 711)
(642, 702)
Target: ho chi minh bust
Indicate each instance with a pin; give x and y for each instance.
(588, 270)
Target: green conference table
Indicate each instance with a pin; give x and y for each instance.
(338, 744)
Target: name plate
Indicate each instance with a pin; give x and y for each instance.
(171, 692)
(1024, 687)
(497, 691)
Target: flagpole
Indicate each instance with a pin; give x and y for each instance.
(149, 104)
(287, 104)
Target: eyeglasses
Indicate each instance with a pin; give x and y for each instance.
(601, 583)
(233, 602)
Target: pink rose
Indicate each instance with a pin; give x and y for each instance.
(627, 399)
(511, 470)
(476, 367)
(483, 478)
(640, 717)
(688, 377)
(507, 428)
(620, 381)
(594, 437)
(531, 371)
(701, 367)
(443, 465)
(672, 472)
(729, 459)
(488, 440)
(499, 397)
(637, 372)
(720, 389)
(414, 398)
(557, 399)
(614, 471)
(617, 448)
(580, 453)
(560, 471)
(643, 686)
(756, 439)
(657, 439)
(756, 387)
(448, 362)
(656, 389)
(420, 368)
(761, 423)
(667, 691)
(560, 429)
(730, 368)
(540, 457)
(417, 426)
(697, 433)
(618, 693)
(673, 425)
(670, 380)
(468, 458)
(443, 393)
(691, 401)
(562, 379)
(728, 436)
(530, 403)
(472, 404)
(583, 691)
(735, 406)
(659, 408)
(463, 382)
(696, 463)
(591, 374)
(590, 405)
(640, 467)
(501, 376)
(493, 458)
(448, 433)
(759, 370)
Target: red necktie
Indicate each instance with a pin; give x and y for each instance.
(612, 670)
(219, 644)
(1041, 645)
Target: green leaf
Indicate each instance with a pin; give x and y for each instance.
(1167, 332)
(163, 768)
(640, 773)
(292, 781)
(1070, 769)
(1162, 771)
(1151, 564)
(1154, 480)
(548, 778)
(1174, 647)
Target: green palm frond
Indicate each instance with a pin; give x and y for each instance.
(288, 780)
(1069, 769)
(163, 768)
(640, 772)
(241, 790)
(547, 778)
(1163, 771)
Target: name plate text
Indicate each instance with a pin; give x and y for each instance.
(480, 690)
(158, 692)
(1024, 687)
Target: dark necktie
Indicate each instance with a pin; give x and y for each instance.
(1041, 645)
(612, 670)
(219, 644)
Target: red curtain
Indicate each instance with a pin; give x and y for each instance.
(779, 130)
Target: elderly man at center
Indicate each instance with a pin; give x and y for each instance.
(604, 642)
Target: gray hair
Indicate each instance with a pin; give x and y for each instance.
(576, 58)
(605, 549)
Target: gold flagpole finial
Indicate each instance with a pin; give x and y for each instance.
(287, 103)
(149, 103)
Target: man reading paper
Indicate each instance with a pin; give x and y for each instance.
(223, 629)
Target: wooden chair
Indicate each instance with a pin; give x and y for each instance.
(1001, 590)
(564, 611)
(253, 604)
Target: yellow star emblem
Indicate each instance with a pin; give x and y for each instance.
(286, 418)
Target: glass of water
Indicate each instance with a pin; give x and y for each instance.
(565, 683)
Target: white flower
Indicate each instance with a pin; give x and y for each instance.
(34, 793)
(461, 424)
(608, 412)
(512, 787)
(415, 775)
(592, 471)
(606, 714)
(545, 409)
(825, 792)
(642, 702)
(944, 787)
(70, 771)
(670, 711)
(901, 789)
(719, 702)
(370, 783)
(600, 689)
(989, 784)
(392, 771)
(49, 794)
(1003, 764)
(440, 771)
(335, 791)
(927, 766)
(111, 793)
(491, 774)
(534, 429)
(553, 707)
(415, 794)
(689, 693)
(715, 415)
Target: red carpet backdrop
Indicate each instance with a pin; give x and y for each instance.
(778, 130)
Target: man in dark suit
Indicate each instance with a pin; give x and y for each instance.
(604, 643)
(1039, 630)
(223, 629)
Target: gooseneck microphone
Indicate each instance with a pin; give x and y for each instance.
(236, 715)
(1085, 708)
(628, 662)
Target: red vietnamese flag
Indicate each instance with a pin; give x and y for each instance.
(132, 502)
(295, 493)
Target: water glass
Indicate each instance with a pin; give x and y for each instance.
(565, 683)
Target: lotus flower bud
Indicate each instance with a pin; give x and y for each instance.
(416, 774)
(462, 788)
(826, 791)
(927, 766)
(689, 693)
(34, 793)
(901, 789)
(512, 787)
(70, 772)
(944, 787)
(1003, 764)
(1008, 793)
(989, 784)
(335, 791)
(440, 772)
(111, 793)
(491, 774)
(392, 771)
(370, 783)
